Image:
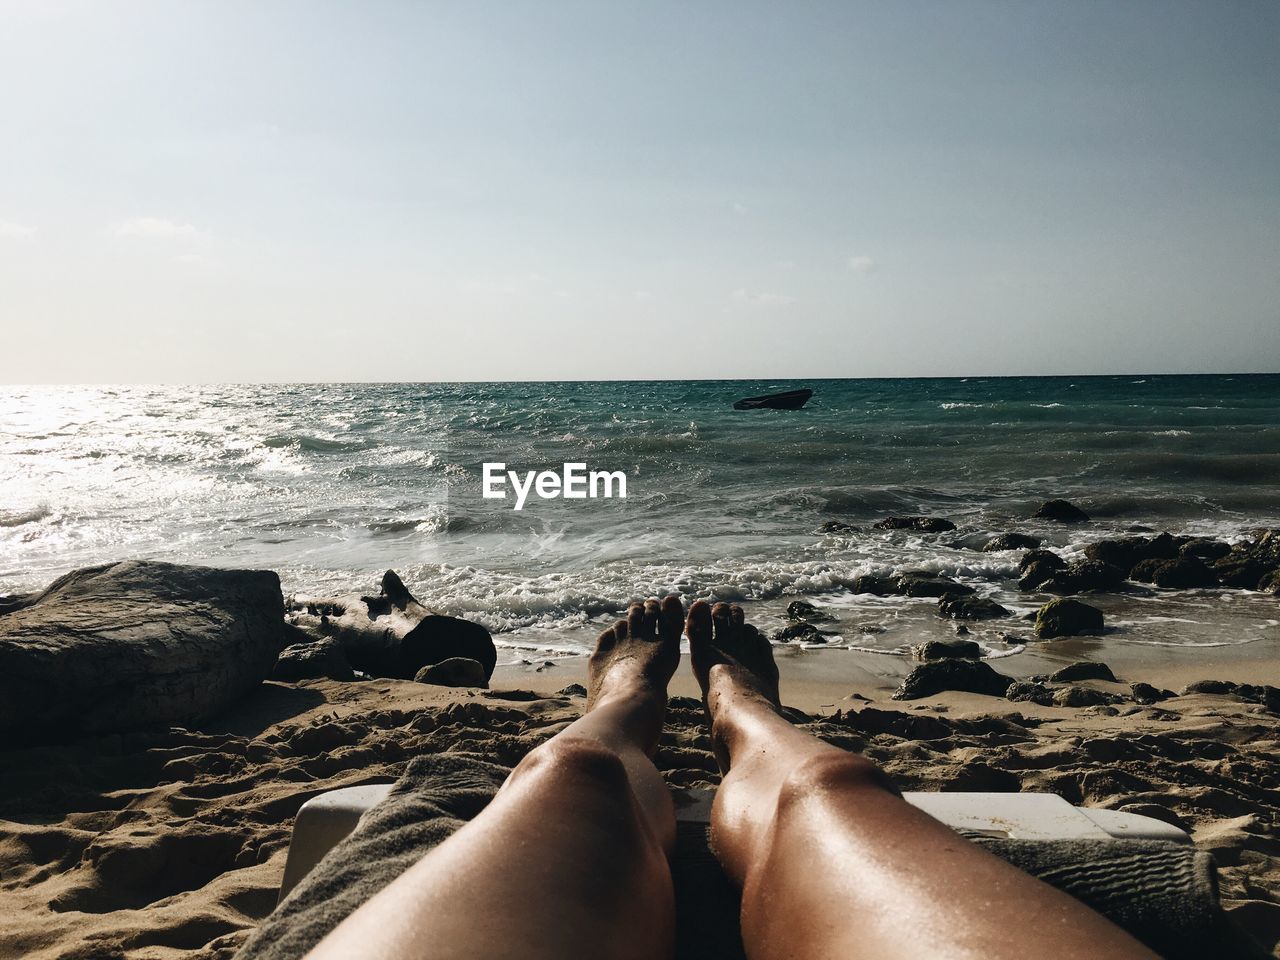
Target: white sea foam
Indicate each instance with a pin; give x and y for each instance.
(18, 518)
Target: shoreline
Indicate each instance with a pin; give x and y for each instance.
(820, 681)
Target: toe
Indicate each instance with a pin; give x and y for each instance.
(606, 641)
(736, 616)
(698, 626)
(635, 621)
(652, 612)
(721, 621)
(671, 618)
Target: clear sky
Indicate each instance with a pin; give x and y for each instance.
(316, 190)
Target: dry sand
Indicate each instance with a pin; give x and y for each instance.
(172, 844)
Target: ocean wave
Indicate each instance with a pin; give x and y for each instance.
(310, 444)
(1232, 468)
(507, 601)
(19, 518)
(871, 501)
(436, 521)
(961, 405)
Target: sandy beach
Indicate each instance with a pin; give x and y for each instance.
(166, 845)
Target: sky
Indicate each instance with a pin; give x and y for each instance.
(235, 190)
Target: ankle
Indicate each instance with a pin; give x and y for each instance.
(733, 686)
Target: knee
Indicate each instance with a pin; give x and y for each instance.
(828, 776)
(575, 759)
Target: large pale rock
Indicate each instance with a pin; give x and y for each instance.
(392, 634)
(136, 643)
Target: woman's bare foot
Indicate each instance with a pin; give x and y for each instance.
(831, 860)
(720, 637)
(570, 857)
(758, 749)
(734, 666)
(634, 661)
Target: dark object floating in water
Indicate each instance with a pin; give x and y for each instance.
(790, 400)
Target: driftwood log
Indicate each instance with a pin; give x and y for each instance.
(131, 644)
(392, 634)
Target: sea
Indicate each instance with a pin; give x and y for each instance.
(331, 484)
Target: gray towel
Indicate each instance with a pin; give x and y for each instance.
(1164, 894)
(437, 794)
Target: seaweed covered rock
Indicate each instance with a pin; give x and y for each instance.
(800, 633)
(392, 634)
(873, 584)
(970, 608)
(1241, 571)
(922, 524)
(133, 644)
(1061, 511)
(1038, 567)
(1184, 573)
(1144, 571)
(1178, 573)
(947, 650)
(1127, 552)
(920, 583)
(971, 676)
(804, 610)
(1251, 563)
(1067, 618)
(1084, 576)
(1011, 541)
(1205, 549)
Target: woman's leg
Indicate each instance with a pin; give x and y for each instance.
(832, 862)
(570, 857)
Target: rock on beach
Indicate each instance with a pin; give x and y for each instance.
(136, 643)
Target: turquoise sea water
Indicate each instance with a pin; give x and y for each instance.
(331, 484)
